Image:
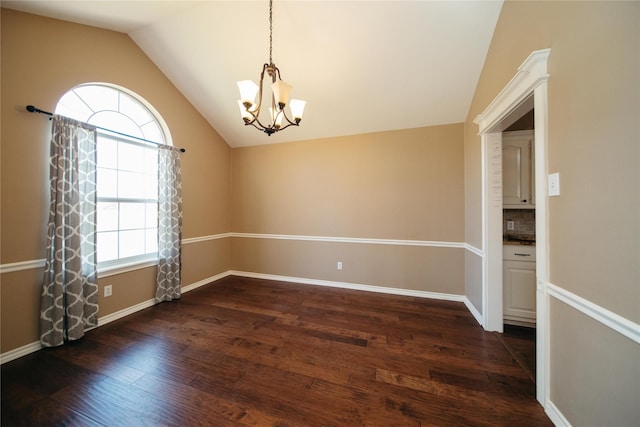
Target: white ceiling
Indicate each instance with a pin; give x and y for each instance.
(362, 66)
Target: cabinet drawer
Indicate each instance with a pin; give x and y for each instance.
(518, 253)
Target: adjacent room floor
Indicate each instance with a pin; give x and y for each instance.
(520, 342)
(255, 352)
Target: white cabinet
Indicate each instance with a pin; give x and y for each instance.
(519, 285)
(517, 169)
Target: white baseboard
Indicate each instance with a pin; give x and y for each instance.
(124, 312)
(205, 281)
(555, 415)
(354, 286)
(17, 353)
(476, 314)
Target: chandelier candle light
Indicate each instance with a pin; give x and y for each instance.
(280, 91)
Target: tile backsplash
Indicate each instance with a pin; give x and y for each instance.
(524, 222)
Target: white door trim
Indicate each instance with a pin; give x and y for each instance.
(527, 89)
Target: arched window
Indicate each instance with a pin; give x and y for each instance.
(127, 169)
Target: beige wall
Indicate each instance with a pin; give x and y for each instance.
(594, 105)
(401, 185)
(594, 371)
(41, 60)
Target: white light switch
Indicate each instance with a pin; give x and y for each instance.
(553, 181)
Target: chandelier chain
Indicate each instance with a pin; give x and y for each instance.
(270, 31)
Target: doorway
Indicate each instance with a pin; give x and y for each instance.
(527, 90)
(519, 275)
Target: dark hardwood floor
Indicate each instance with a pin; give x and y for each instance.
(255, 352)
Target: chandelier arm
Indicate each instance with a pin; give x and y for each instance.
(259, 125)
(259, 107)
(289, 121)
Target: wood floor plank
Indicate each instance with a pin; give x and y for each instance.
(44, 412)
(255, 352)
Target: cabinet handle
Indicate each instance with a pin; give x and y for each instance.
(517, 254)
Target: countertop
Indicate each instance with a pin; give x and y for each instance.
(519, 240)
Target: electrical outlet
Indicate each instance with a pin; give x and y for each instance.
(108, 290)
(510, 225)
(339, 265)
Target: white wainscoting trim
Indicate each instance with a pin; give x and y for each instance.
(354, 286)
(206, 238)
(474, 250)
(333, 239)
(39, 263)
(35, 346)
(608, 318)
(22, 265)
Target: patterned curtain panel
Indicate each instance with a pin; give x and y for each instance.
(69, 301)
(169, 225)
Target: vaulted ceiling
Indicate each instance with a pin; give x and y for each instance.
(362, 66)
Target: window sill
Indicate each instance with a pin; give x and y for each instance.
(120, 268)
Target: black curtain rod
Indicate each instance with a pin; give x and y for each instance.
(32, 109)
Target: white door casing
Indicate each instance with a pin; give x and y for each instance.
(526, 90)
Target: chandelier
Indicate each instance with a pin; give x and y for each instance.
(280, 91)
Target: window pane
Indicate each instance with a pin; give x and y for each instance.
(107, 152)
(99, 98)
(151, 240)
(112, 120)
(131, 157)
(132, 215)
(71, 105)
(134, 110)
(131, 185)
(151, 161)
(107, 185)
(107, 216)
(150, 187)
(132, 243)
(152, 132)
(107, 246)
(152, 215)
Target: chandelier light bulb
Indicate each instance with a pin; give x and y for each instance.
(297, 108)
(281, 92)
(248, 92)
(244, 112)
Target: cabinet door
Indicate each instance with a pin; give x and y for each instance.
(519, 291)
(517, 169)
